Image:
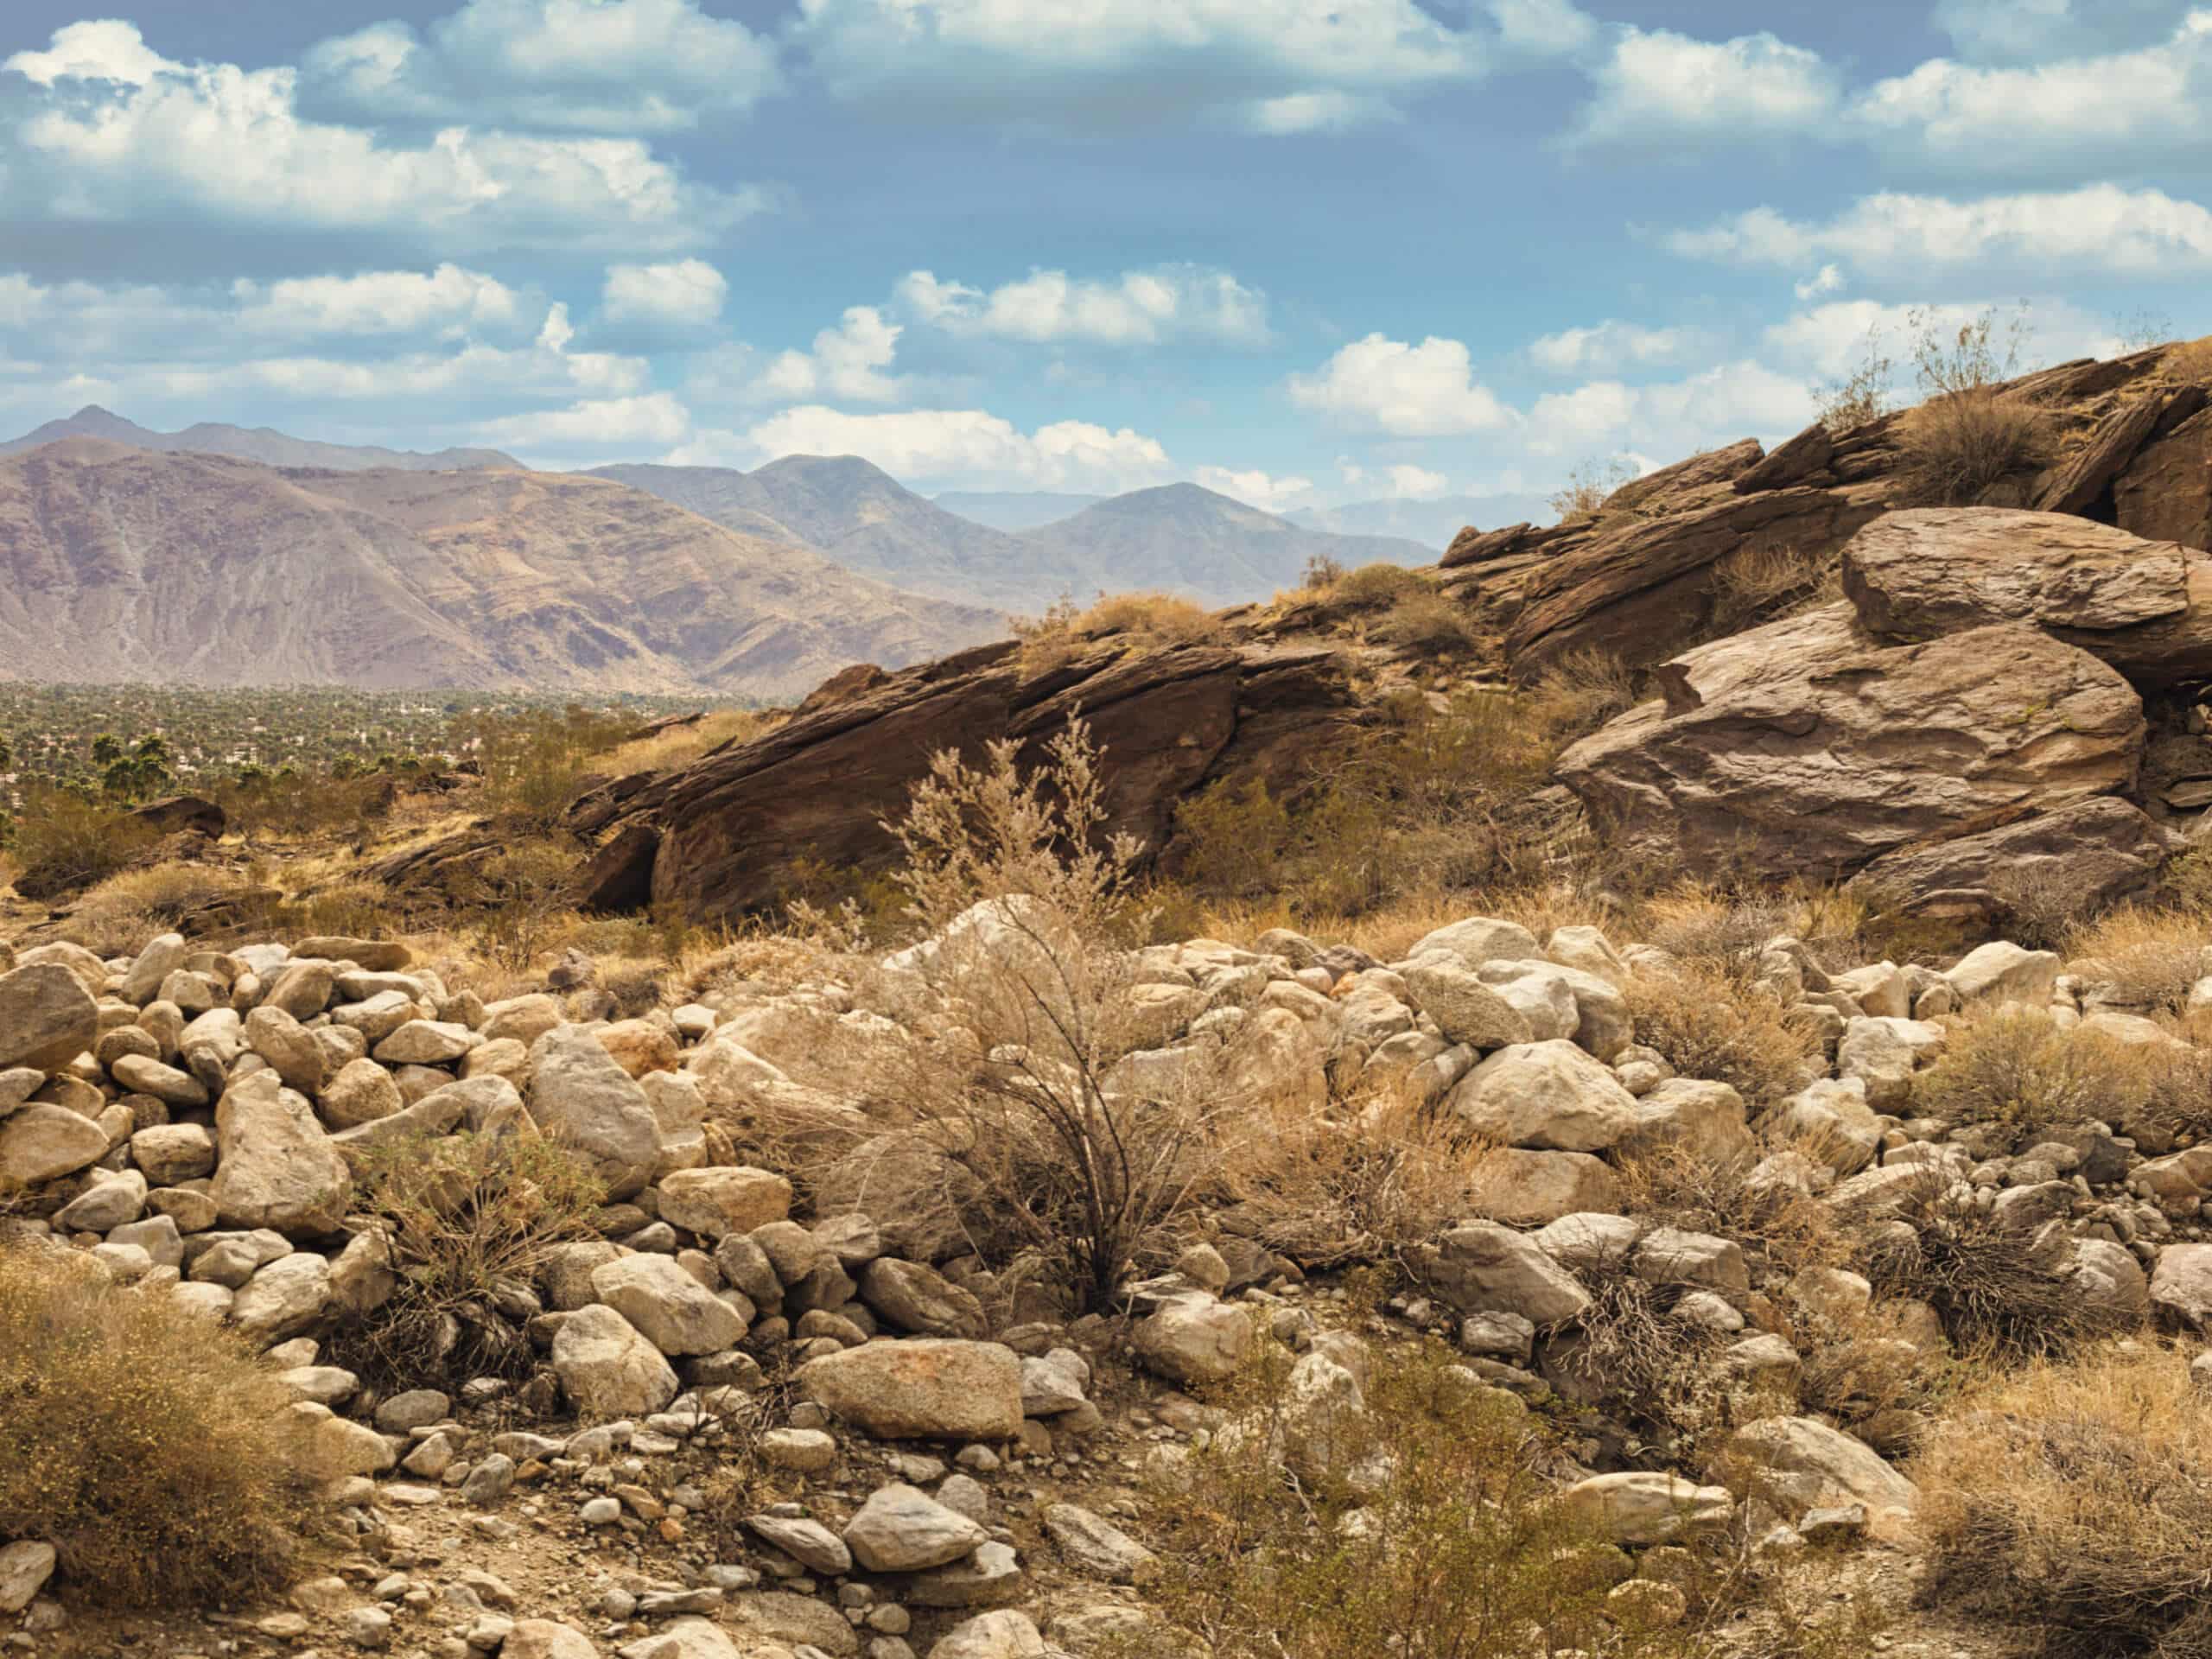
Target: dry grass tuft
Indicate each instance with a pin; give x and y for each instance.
(1776, 1224)
(2019, 1071)
(142, 1442)
(1713, 1023)
(1955, 447)
(2072, 1501)
(2142, 958)
(1143, 621)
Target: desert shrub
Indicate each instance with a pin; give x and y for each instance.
(1322, 573)
(468, 1220)
(1862, 396)
(1427, 621)
(64, 842)
(1756, 584)
(1583, 493)
(1144, 620)
(1776, 1224)
(2143, 957)
(1235, 836)
(1457, 1555)
(1364, 1182)
(1993, 1294)
(1711, 1022)
(2017, 1071)
(1968, 433)
(1579, 692)
(141, 1441)
(2073, 1500)
(1372, 587)
(119, 916)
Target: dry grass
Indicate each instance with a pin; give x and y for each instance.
(680, 745)
(1757, 584)
(2016, 1070)
(1363, 1183)
(63, 843)
(1776, 1224)
(143, 1443)
(2190, 361)
(1583, 495)
(1429, 622)
(1713, 1023)
(1142, 621)
(2072, 1501)
(2145, 958)
(1954, 447)
(469, 1219)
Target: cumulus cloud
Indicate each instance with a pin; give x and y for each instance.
(1141, 307)
(847, 361)
(1657, 87)
(1417, 483)
(2099, 227)
(1828, 279)
(1729, 401)
(686, 292)
(447, 300)
(1545, 27)
(1273, 65)
(1390, 386)
(594, 426)
(1254, 488)
(1832, 339)
(1612, 344)
(599, 65)
(947, 448)
(112, 131)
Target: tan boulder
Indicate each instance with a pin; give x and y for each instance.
(921, 1388)
(275, 1166)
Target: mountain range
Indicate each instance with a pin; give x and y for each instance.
(1178, 537)
(120, 563)
(264, 444)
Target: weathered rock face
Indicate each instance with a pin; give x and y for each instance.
(1803, 748)
(2144, 606)
(719, 838)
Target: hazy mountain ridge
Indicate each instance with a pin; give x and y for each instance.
(126, 564)
(1433, 523)
(264, 444)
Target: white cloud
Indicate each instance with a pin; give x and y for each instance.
(1828, 279)
(1417, 483)
(1254, 488)
(447, 300)
(684, 291)
(947, 448)
(1424, 391)
(1612, 344)
(1141, 309)
(1274, 66)
(1729, 401)
(1658, 86)
(2100, 227)
(597, 426)
(2101, 111)
(113, 133)
(847, 362)
(1547, 27)
(602, 66)
(2024, 29)
(1832, 340)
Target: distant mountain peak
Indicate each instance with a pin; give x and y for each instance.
(261, 444)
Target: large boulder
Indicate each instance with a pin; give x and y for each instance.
(606, 1368)
(666, 1305)
(1641, 1508)
(1549, 1096)
(1479, 1267)
(46, 1017)
(580, 1097)
(921, 1388)
(275, 1166)
(1805, 748)
(1798, 1463)
(43, 1142)
(1193, 1339)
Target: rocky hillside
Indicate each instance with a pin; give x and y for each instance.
(123, 564)
(261, 443)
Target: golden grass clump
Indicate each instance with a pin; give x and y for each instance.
(2017, 1071)
(1710, 1022)
(2140, 956)
(2073, 1500)
(142, 1442)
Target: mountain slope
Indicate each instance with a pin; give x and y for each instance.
(261, 443)
(1015, 510)
(116, 564)
(1186, 538)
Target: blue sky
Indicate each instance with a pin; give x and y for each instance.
(1302, 251)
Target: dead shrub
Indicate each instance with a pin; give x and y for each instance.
(1994, 1295)
(1954, 448)
(1583, 496)
(2141, 957)
(1660, 1372)
(1777, 1225)
(1862, 396)
(1427, 621)
(2016, 1070)
(468, 1221)
(63, 842)
(1363, 1183)
(1575, 696)
(1375, 587)
(1145, 620)
(1714, 1023)
(2072, 1501)
(142, 1442)
(1757, 584)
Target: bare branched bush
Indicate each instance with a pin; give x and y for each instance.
(1711, 1022)
(1757, 584)
(1994, 1295)
(1861, 396)
(1427, 621)
(63, 842)
(1967, 434)
(142, 1441)
(468, 1221)
(2072, 1501)
(1775, 1223)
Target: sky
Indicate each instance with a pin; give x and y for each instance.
(1302, 252)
